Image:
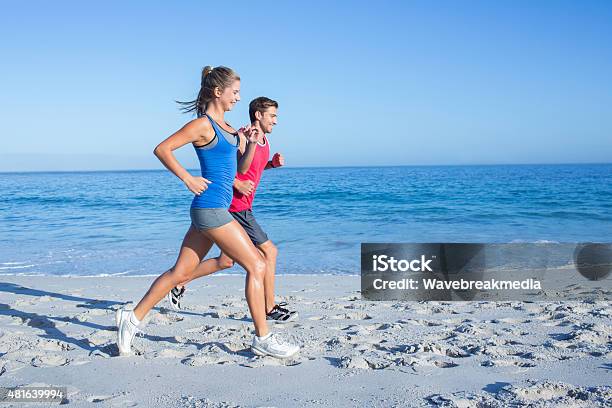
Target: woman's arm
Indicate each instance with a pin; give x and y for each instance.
(198, 130)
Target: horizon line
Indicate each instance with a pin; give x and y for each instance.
(321, 167)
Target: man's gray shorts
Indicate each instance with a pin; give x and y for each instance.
(250, 225)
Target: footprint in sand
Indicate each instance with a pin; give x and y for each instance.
(535, 393)
(350, 298)
(54, 345)
(445, 364)
(100, 337)
(115, 401)
(352, 316)
(239, 316)
(427, 363)
(355, 362)
(193, 402)
(204, 329)
(267, 361)
(202, 360)
(452, 351)
(232, 303)
(421, 322)
(507, 363)
(237, 346)
(365, 361)
(49, 360)
(473, 330)
(336, 342)
(389, 326)
(358, 330)
(23, 302)
(209, 354)
(528, 355)
(304, 291)
(165, 319)
(171, 353)
(9, 366)
(425, 348)
(98, 312)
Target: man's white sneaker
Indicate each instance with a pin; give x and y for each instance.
(127, 326)
(174, 297)
(273, 345)
(279, 314)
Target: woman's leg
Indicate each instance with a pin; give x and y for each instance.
(234, 242)
(195, 246)
(208, 267)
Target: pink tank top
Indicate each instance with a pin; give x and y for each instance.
(240, 202)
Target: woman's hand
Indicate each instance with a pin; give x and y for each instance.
(197, 185)
(250, 133)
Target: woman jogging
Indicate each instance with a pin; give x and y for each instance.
(263, 115)
(217, 146)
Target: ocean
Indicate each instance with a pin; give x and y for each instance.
(132, 222)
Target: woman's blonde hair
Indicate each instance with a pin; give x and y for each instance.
(218, 77)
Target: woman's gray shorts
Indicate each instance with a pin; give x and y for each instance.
(207, 218)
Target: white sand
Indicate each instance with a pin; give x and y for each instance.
(60, 331)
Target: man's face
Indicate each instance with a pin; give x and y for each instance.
(268, 119)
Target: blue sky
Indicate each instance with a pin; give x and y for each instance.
(92, 85)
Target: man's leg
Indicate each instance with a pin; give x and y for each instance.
(277, 312)
(212, 265)
(269, 252)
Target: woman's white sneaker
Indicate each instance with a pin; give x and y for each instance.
(273, 345)
(127, 326)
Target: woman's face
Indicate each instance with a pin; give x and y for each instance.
(230, 96)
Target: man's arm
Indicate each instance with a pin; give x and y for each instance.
(277, 161)
(244, 186)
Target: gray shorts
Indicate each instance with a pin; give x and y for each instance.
(208, 218)
(250, 225)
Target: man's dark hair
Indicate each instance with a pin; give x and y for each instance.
(260, 105)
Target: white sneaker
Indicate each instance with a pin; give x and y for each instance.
(279, 314)
(174, 297)
(126, 329)
(274, 346)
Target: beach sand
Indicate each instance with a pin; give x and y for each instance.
(61, 331)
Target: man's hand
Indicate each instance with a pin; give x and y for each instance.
(244, 186)
(278, 160)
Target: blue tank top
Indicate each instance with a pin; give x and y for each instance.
(219, 165)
